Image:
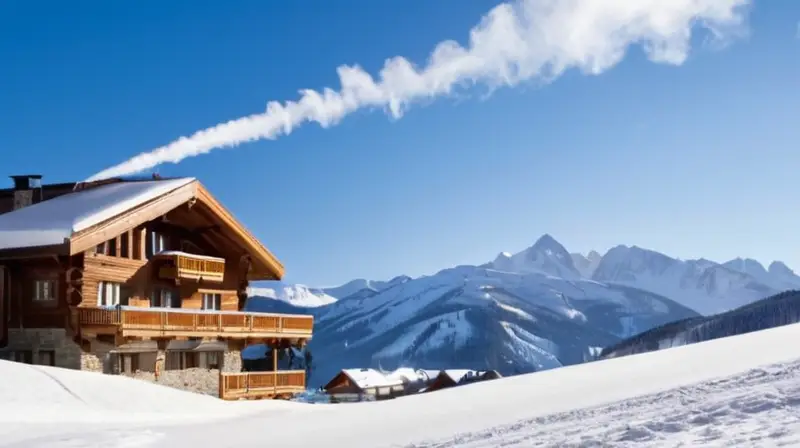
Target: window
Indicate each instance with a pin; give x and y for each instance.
(157, 243)
(24, 356)
(44, 290)
(209, 360)
(46, 358)
(128, 362)
(165, 298)
(211, 301)
(180, 360)
(109, 294)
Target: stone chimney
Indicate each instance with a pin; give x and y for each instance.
(27, 190)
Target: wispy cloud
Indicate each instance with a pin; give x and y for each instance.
(513, 43)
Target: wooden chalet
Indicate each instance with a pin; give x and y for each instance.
(450, 378)
(371, 384)
(125, 276)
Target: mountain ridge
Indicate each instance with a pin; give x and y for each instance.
(540, 308)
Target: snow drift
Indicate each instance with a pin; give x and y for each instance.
(717, 380)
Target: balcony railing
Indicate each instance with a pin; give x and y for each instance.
(132, 321)
(254, 385)
(182, 265)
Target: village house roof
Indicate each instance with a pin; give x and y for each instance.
(71, 223)
(369, 378)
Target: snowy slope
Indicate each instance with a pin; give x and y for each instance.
(737, 391)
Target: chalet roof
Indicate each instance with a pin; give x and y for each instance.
(71, 223)
(369, 378)
(50, 222)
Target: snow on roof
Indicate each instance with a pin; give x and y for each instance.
(405, 374)
(187, 254)
(50, 222)
(369, 378)
(458, 374)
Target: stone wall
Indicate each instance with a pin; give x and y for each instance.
(232, 362)
(36, 340)
(98, 358)
(204, 381)
(101, 358)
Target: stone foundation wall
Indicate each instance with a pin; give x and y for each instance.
(101, 358)
(232, 362)
(98, 358)
(203, 381)
(66, 352)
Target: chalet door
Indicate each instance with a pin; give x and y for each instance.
(3, 308)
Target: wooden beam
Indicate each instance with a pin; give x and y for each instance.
(142, 249)
(34, 252)
(130, 244)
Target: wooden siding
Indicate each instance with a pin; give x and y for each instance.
(22, 309)
(139, 276)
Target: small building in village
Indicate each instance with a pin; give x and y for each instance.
(460, 377)
(362, 385)
(352, 385)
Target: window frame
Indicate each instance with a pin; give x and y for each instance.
(216, 300)
(157, 295)
(52, 290)
(103, 288)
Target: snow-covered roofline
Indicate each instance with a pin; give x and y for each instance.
(52, 222)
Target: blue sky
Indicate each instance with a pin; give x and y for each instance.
(696, 160)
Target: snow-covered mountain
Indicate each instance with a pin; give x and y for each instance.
(537, 309)
(705, 286)
(364, 287)
(778, 275)
(547, 256)
(586, 264)
(296, 295)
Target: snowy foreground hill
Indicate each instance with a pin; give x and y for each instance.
(739, 391)
(537, 309)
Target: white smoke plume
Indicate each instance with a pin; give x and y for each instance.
(513, 43)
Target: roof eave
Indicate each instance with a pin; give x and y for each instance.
(15, 253)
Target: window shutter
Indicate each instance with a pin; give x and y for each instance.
(100, 294)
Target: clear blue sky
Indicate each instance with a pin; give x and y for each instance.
(697, 160)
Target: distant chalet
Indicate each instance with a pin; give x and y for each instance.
(141, 277)
(371, 384)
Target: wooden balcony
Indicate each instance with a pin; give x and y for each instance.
(184, 266)
(257, 385)
(166, 323)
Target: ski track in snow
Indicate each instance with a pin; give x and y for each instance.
(760, 408)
